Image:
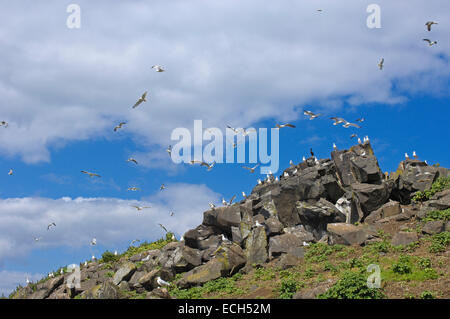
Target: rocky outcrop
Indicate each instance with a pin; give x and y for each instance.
(341, 200)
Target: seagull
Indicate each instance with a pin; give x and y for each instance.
(353, 135)
(380, 65)
(311, 115)
(415, 155)
(244, 195)
(259, 182)
(119, 126)
(139, 208)
(246, 132)
(93, 242)
(158, 68)
(316, 161)
(278, 126)
(335, 147)
(258, 224)
(212, 206)
(164, 228)
(295, 171)
(115, 253)
(304, 159)
(182, 238)
(132, 160)
(209, 166)
(348, 124)
(429, 24)
(133, 189)
(251, 169)
(305, 243)
(311, 151)
(162, 282)
(171, 214)
(86, 263)
(430, 43)
(36, 239)
(276, 179)
(360, 120)
(51, 275)
(61, 272)
(406, 156)
(50, 225)
(225, 203)
(225, 239)
(90, 174)
(10, 172)
(143, 98)
(162, 187)
(146, 258)
(134, 241)
(359, 141)
(233, 129)
(28, 281)
(93, 258)
(3, 123)
(367, 139)
(169, 150)
(426, 162)
(291, 163)
(286, 174)
(338, 120)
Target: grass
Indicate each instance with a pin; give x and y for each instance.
(439, 242)
(443, 215)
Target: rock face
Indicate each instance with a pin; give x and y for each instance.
(319, 201)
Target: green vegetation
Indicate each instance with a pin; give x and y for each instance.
(148, 246)
(288, 288)
(443, 215)
(427, 295)
(352, 285)
(403, 265)
(108, 257)
(439, 242)
(442, 183)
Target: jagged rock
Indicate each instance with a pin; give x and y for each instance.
(315, 217)
(256, 246)
(59, 293)
(44, 289)
(366, 170)
(134, 280)
(387, 210)
(287, 261)
(413, 176)
(107, 290)
(433, 227)
(300, 232)
(440, 201)
(124, 273)
(224, 218)
(227, 260)
(158, 293)
(148, 281)
(312, 293)
(274, 227)
(124, 286)
(185, 258)
(370, 197)
(286, 243)
(404, 238)
(195, 238)
(347, 234)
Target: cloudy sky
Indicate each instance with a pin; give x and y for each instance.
(227, 63)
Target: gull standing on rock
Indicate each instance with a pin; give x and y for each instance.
(335, 147)
(162, 282)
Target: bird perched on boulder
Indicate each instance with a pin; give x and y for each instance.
(406, 156)
(359, 141)
(415, 155)
(212, 206)
(244, 195)
(162, 282)
(335, 147)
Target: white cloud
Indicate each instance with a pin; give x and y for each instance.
(110, 220)
(228, 62)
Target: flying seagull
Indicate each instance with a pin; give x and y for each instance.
(233, 129)
(90, 174)
(36, 239)
(132, 160)
(119, 126)
(10, 172)
(381, 64)
(311, 115)
(360, 120)
(348, 124)
(278, 126)
(164, 228)
(158, 68)
(50, 225)
(139, 208)
(162, 187)
(209, 166)
(338, 120)
(94, 241)
(133, 189)
(429, 24)
(430, 43)
(246, 132)
(251, 169)
(169, 150)
(3, 123)
(353, 135)
(143, 98)
(171, 214)
(244, 195)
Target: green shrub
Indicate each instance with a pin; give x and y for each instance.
(438, 215)
(318, 252)
(424, 263)
(109, 257)
(402, 266)
(427, 295)
(439, 185)
(288, 288)
(439, 242)
(352, 285)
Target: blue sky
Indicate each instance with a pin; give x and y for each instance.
(63, 90)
